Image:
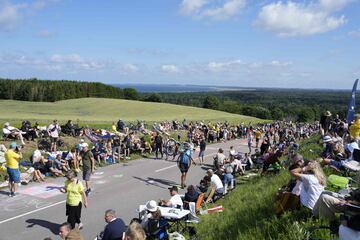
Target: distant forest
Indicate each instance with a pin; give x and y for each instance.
(295, 104)
(50, 91)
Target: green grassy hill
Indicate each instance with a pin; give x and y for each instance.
(101, 110)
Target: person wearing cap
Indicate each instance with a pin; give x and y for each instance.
(75, 198)
(175, 201)
(12, 131)
(12, 157)
(152, 212)
(115, 227)
(54, 130)
(88, 162)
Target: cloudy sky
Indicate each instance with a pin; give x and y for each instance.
(249, 43)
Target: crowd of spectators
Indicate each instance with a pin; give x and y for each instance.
(271, 142)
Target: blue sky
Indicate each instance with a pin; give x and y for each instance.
(248, 43)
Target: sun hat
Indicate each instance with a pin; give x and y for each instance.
(327, 139)
(13, 145)
(82, 140)
(328, 113)
(151, 206)
(84, 145)
(6, 124)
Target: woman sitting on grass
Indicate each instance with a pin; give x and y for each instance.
(313, 183)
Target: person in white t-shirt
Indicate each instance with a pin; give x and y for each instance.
(13, 131)
(216, 184)
(54, 130)
(313, 183)
(175, 201)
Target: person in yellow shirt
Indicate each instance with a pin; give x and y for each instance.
(257, 137)
(354, 129)
(75, 198)
(12, 157)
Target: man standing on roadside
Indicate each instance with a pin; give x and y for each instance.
(88, 162)
(184, 163)
(202, 150)
(12, 157)
(53, 131)
(158, 145)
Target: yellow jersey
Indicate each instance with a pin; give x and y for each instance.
(12, 159)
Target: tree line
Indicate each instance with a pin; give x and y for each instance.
(278, 104)
(55, 90)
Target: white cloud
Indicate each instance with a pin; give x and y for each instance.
(71, 58)
(299, 18)
(9, 15)
(170, 69)
(12, 14)
(189, 7)
(223, 66)
(277, 63)
(216, 10)
(228, 10)
(334, 5)
(355, 33)
(130, 68)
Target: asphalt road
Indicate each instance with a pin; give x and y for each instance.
(39, 209)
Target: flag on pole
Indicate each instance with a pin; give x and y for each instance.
(351, 109)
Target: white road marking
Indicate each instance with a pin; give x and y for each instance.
(162, 169)
(34, 211)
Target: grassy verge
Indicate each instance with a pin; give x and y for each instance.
(250, 209)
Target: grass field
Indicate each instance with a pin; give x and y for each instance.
(249, 211)
(100, 110)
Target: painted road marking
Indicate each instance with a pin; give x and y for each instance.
(43, 191)
(162, 169)
(31, 212)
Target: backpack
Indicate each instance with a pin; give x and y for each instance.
(184, 157)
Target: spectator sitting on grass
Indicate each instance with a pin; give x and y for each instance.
(216, 185)
(12, 131)
(152, 212)
(66, 233)
(175, 201)
(72, 159)
(115, 227)
(99, 153)
(190, 196)
(61, 164)
(135, 232)
(50, 168)
(313, 182)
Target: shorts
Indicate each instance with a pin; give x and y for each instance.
(86, 175)
(202, 153)
(337, 164)
(184, 168)
(53, 139)
(14, 175)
